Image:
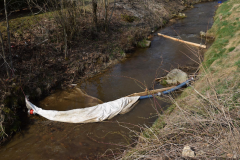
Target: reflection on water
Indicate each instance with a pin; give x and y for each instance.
(69, 99)
(44, 139)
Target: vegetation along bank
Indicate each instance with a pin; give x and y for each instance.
(204, 120)
(50, 46)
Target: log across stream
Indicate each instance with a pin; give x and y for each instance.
(44, 139)
(186, 42)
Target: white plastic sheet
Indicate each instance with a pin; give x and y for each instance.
(96, 113)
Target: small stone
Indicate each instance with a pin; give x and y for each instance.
(182, 15)
(144, 43)
(202, 33)
(148, 43)
(188, 152)
(176, 76)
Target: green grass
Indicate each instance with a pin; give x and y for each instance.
(238, 63)
(158, 124)
(223, 9)
(226, 30)
(214, 55)
(20, 25)
(170, 110)
(223, 29)
(222, 88)
(231, 49)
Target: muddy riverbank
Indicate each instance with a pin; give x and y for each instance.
(44, 139)
(40, 66)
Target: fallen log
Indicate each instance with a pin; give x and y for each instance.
(179, 40)
(149, 92)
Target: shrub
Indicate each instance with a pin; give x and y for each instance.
(128, 18)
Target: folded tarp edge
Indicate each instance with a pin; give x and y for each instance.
(96, 113)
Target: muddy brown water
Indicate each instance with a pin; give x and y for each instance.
(44, 139)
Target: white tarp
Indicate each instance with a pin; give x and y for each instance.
(96, 113)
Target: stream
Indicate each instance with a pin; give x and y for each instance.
(44, 139)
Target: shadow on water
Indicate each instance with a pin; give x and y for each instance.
(45, 139)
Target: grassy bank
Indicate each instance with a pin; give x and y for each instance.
(206, 116)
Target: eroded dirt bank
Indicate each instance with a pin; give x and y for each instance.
(40, 66)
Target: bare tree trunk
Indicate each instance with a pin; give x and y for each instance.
(64, 30)
(94, 8)
(112, 12)
(65, 41)
(8, 34)
(3, 55)
(106, 14)
(84, 9)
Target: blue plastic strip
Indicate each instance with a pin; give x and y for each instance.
(145, 97)
(168, 91)
(177, 87)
